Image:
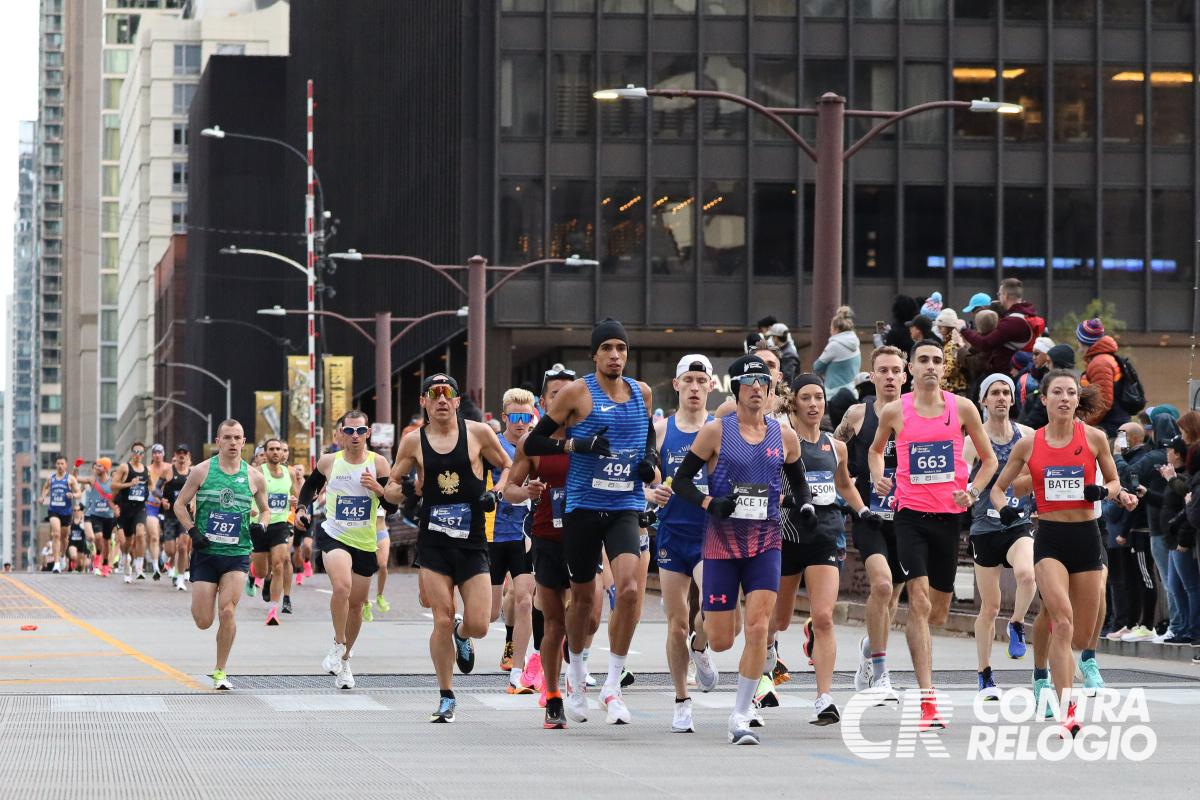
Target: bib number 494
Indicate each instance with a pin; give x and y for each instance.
(614, 474)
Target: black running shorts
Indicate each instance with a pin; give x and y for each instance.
(586, 533)
(927, 547)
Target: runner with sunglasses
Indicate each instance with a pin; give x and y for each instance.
(448, 453)
(132, 484)
(746, 453)
(270, 554)
(353, 479)
(613, 452)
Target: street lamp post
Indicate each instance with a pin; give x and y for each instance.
(830, 156)
(476, 294)
(206, 417)
(282, 341)
(382, 341)
(227, 383)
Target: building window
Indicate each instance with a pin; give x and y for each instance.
(1123, 13)
(108, 361)
(924, 231)
(111, 144)
(50, 434)
(622, 119)
(673, 228)
(723, 215)
(572, 214)
(120, 28)
(972, 82)
(179, 176)
(924, 83)
(1124, 109)
(875, 9)
(875, 90)
(573, 6)
(108, 435)
(774, 8)
(724, 120)
(521, 93)
(622, 227)
(718, 8)
(112, 93)
(821, 75)
(1024, 230)
(974, 9)
(1074, 10)
(1026, 86)
(975, 229)
(674, 117)
(108, 286)
(178, 217)
(1074, 232)
(874, 230)
(1171, 218)
(108, 325)
(1026, 10)
(116, 61)
(109, 253)
(179, 137)
(623, 6)
(1171, 106)
(523, 6)
(108, 398)
(1124, 234)
(51, 403)
(573, 102)
(774, 85)
(521, 207)
(110, 217)
(1074, 103)
(775, 229)
(110, 181)
(1171, 11)
(187, 59)
(835, 9)
(182, 98)
(226, 49)
(675, 7)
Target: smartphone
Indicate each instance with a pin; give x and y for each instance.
(1122, 440)
(880, 326)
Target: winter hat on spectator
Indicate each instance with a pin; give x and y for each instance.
(1062, 356)
(1165, 408)
(1043, 344)
(1089, 331)
(946, 318)
(932, 305)
(1021, 361)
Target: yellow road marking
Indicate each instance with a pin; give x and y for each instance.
(153, 663)
(33, 656)
(27, 681)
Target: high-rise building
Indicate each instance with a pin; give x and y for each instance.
(20, 414)
(164, 68)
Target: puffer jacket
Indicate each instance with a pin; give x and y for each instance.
(1104, 373)
(839, 362)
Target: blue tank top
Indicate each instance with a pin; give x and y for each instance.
(609, 484)
(754, 473)
(679, 516)
(98, 495)
(59, 488)
(509, 525)
(984, 518)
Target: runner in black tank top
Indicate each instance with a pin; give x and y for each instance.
(178, 547)
(448, 454)
(133, 480)
(876, 545)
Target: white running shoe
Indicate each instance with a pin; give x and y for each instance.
(1140, 633)
(824, 711)
(576, 706)
(706, 674)
(862, 677)
(882, 686)
(691, 674)
(682, 721)
(180, 585)
(591, 682)
(739, 730)
(333, 659)
(128, 578)
(344, 679)
(618, 714)
(56, 568)
(755, 719)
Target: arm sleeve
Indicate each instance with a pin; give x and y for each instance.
(539, 442)
(312, 485)
(683, 483)
(651, 441)
(795, 475)
(390, 508)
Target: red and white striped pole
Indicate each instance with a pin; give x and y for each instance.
(309, 229)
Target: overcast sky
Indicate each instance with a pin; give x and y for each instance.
(18, 101)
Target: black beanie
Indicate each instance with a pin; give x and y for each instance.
(750, 364)
(606, 329)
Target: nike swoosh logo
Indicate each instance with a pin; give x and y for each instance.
(607, 408)
(902, 569)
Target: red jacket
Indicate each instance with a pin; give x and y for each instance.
(1009, 336)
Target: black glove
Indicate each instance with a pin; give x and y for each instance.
(489, 500)
(1093, 492)
(199, 541)
(647, 518)
(872, 519)
(1010, 515)
(302, 520)
(722, 507)
(597, 444)
(645, 469)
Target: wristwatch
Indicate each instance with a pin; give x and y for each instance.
(974, 493)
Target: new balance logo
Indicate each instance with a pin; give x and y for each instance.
(713, 599)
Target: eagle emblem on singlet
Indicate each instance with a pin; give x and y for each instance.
(448, 482)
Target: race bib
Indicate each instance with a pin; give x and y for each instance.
(885, 507)
(821, 486)
(930, 462)
(614, 474)
(224, 527)
(100, 506)
(751, 501)
(1013, 502)
(453, 520)
(675, 458)
(77, 534)
(137, 492)
(352, 508)
(1064, 483)
(558, 506)
(277, 502)
(58, 496)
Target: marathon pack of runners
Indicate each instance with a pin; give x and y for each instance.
(739, 504)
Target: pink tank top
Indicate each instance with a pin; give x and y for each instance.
(929, 462)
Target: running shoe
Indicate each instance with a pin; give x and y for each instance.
(618, 714)
(141, 576)
(576, 706)
(824, 711)
(344, 679)
(810, 640)
(987, 685)
(681, 721)
(180, 584)
(513, 689)
(128, 578)
(507, 657)
(556, 717)
(627, 678)
(464, 651)
(590, 680)
(930, 719)
(706, 674)
(739, 731)
(445, 711)
(299, 578)
(266, 590)
(221, 680)
(250, 587)
(543, 697)
(272, 618)
(1116, 636)
(533, 674)
(366, 613)
(882, 685)
(1042, 686)
(1140, 633)
(1016, 640)
(333, 659)
(1092, 681)
(105, 570)
(691, 675)
(286, 608)
(764, 694)
(756, 720)
(862, 676)
(308, 571)
(382, 605)
(56, 568)
(780, 674)
(156, 576)
(1069, 727)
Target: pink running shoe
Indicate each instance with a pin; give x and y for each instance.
(299, 578)
(533, 676)
(272, 619)
(308, 569)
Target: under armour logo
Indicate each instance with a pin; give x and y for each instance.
(774, 452)
(717, 598)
